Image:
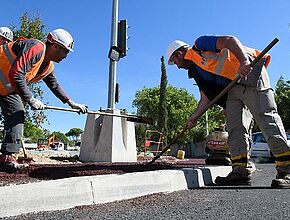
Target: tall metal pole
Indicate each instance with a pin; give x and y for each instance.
(113, 64)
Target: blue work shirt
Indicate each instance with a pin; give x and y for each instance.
(210, 84)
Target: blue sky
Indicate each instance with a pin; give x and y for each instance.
(154, 24)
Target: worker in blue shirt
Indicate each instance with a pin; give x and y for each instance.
(213, 62)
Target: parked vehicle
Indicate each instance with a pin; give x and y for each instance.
(58, 146)
(260, 147)
(30, 146)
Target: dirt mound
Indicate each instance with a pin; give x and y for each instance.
(51, 157)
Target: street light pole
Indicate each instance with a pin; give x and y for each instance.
(113, 63)
(106, 143)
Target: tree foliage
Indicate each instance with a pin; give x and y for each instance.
(282, 98)
(33, 132)
(74, 133)
(59, 136)
(163, 114)
(30, 27)
(180, 105)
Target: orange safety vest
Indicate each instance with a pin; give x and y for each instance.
(7, 58)
(223, 63)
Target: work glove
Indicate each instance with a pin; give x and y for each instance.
(36, 104)
(83, 108)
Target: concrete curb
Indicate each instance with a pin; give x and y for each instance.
(89, 190)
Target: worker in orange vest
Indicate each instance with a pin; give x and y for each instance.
(22, 62)
(213, 62)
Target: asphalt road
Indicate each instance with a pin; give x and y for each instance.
(256, 202)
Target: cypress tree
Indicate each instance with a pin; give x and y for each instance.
(163, 113)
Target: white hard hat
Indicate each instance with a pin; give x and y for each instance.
(6, 33)
(173, 46)
(61, 37)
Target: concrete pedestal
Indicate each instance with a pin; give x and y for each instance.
(108, 139)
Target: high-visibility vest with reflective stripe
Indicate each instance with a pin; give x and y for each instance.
(43, 74)
(223, 63)
(7, 58)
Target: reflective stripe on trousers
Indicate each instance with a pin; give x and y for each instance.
(262, 105)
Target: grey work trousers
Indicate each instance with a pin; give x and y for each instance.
(13, 112)
(262, 106)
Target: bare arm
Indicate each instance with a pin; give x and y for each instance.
(236, 47)
(202, 104)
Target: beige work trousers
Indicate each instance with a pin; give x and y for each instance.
(245, 102)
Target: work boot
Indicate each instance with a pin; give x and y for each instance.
(10, 163)
(233, 179)
(282, 181)
(218, 161)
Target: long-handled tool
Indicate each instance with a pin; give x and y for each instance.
(211, 103)
(25, 158)
(24, 149)
(133, 118)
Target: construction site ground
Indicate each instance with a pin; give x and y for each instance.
(51, 165)
(58, 180)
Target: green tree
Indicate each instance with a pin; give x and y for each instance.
(163, 114)
(30, 27)
(282, 98)
(33, 132)
(74, 133)
(59, 136)
(180, 105)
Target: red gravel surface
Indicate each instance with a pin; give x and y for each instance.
(42, 172)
